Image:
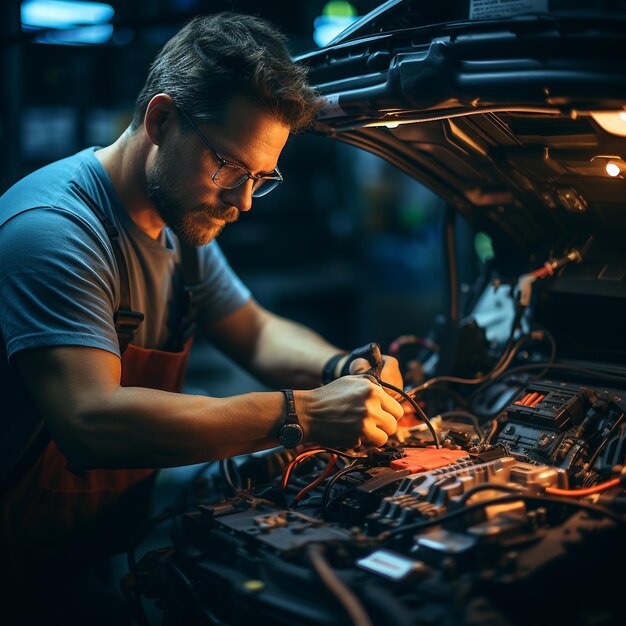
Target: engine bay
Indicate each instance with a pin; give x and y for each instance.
(499, 500)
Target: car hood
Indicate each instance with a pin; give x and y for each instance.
(517, 121)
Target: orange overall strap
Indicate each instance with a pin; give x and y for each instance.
(56, 510)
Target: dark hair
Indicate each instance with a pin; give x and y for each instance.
(215, 57)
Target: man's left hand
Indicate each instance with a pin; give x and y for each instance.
(390, 372)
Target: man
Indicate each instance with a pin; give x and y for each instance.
(91, 242)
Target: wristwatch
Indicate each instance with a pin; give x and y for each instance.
(291, 433)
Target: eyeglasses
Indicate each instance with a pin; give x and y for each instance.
(230, 175)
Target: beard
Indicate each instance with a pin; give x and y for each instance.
(191, 225)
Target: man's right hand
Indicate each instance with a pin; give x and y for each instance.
(346, 410)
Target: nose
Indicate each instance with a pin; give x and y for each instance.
(239, 197)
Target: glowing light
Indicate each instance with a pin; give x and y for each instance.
(613, 169)
(339, 8)
(63, 13)
(611, 122)
(392, 124)
(336, 16)
(483, 246)
(85, 35)
(68, 22)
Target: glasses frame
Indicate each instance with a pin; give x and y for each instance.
(277, 177)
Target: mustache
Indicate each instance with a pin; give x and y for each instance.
(229, 215)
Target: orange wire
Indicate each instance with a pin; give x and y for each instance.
(523, 400)
(537, 401)
(292, 464)
(529, 401)
(323, 476)
(589, 491)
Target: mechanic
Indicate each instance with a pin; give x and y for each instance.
(92, 243)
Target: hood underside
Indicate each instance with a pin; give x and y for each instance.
(514, 122)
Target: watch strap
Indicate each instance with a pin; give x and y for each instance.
(291, 433)
(292, 416)
(328, 372)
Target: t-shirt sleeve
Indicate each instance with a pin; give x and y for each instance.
(57, 282)
(221, 291)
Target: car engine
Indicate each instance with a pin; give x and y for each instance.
(506, 505)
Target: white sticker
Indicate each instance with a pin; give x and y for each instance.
(331, 107)
(490, 9)
(388, 564)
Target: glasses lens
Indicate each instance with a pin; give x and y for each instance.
(229, 177)
(264, 186)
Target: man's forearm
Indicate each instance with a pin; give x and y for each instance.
(97, 423)
(137, 427)
(289, 354)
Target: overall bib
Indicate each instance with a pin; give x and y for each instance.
(58, 510)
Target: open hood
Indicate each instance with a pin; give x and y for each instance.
(517, 120)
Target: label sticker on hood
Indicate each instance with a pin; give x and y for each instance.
(490, 9)
(331, 107)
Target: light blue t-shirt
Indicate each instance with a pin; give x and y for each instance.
(59, 283)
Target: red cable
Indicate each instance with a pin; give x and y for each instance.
(300, 457)
(323, 476)
(589, 491)
(529, 401)
(522, 400)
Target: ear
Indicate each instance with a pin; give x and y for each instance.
(160, 117)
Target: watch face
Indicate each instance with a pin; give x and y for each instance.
(291, 435)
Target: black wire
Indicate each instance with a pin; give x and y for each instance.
(341, 453)
(487, 487)
(417, 526)
(346, 597)
(301, 483)
(503, 362)
(499, 408)
(604, 442)
(448, 392)
(418, 410)
(335, 478)
(342, 495)
(466, 414)
(546, 335)
(597, 373)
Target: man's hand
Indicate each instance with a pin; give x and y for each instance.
(349, 408)
(390, 372)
